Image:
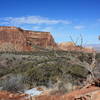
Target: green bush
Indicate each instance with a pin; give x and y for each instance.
(40, 68)
(13, 84)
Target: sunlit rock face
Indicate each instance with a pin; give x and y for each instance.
(66, 46)
(70, 46)
(17, 39)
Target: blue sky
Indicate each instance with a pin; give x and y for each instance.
(63, 18)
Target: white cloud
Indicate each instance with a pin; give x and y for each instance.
(47, 29)
(79, 27)
(32, 20)
(36, 27)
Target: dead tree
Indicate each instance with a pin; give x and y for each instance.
(76, 42)
(89, 66)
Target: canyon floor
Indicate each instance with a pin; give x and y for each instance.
(65, 73)
(89, 93)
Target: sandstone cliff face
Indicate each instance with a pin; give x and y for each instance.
(17, 39)
(66, 46)
(70, 46)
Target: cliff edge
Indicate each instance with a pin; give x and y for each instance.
(17, 39)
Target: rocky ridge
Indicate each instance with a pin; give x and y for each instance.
(17, 39)
(70, 46)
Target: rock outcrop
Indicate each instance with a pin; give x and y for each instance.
(17, 39)
(4, 95)
(90, 93)
(66, 46)
(70, 46)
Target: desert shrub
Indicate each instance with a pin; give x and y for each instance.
(61, 87)
(4, 71)
(78, 71)
(13, 84)
(98, 56)
(46, 72)
(42, 68)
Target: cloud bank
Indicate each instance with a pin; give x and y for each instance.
(32, 20)
(79, 27)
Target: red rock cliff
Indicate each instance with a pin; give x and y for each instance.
(17, 39)
(70, 46)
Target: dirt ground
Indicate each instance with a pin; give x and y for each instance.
(89, 93)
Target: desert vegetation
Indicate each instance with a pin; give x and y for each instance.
(44, 68)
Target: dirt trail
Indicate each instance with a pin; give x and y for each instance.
(90, 93)
(4, 95)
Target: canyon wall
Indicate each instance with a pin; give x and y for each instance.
(70, 46)
(17, 39)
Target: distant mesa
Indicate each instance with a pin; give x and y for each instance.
(17, 39)
(7, 27)
(70, 46)
(66, 45)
